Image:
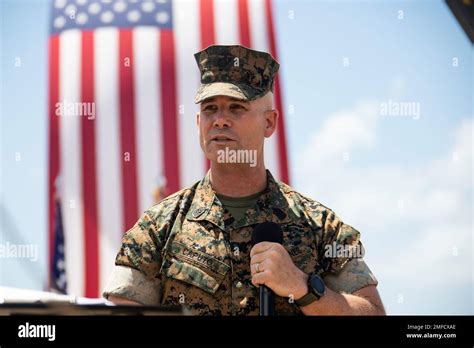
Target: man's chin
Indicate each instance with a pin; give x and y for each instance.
(215, 148)
(216, 153)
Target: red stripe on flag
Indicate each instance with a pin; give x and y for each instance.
(127, 129)
(89, 190)
(169, 110)
(206, 14)
(281, 136)
(54, 162)
(208, 36)
(244, 26)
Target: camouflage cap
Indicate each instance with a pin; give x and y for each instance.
(235, 71)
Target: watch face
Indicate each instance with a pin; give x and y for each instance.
(317, 284)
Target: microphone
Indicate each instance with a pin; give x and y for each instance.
(267, 232)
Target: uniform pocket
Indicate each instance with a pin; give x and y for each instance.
(194, 267)
(303, 257)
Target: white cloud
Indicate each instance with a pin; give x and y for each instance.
(455, 168)
(397, 87)
(416, 221)
(346, 129)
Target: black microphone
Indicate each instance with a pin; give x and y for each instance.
(267, 232)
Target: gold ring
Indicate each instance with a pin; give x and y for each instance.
(257, 267)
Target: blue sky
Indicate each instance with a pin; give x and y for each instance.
(406, 183)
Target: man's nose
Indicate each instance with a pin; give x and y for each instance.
(222, 120)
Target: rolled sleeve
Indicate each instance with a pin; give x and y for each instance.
(340, 244)
(140, 248)
(354, 276)
(133, 285)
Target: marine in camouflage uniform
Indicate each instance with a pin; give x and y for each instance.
(189, 250)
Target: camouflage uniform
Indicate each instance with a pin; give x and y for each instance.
(188, 249)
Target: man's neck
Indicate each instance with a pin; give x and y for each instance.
(238, 180)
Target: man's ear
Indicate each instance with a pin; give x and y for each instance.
(197, 119)
(271, 119)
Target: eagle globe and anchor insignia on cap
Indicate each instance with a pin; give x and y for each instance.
(235, 71)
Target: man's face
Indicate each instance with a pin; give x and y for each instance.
(236, 124)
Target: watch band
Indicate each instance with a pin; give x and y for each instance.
(307, 299)
(313, 293)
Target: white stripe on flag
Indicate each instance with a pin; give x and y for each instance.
(71, 166)
(226, 22)
(259, 40)
(186, 24)
(147, 113)
(108, 175)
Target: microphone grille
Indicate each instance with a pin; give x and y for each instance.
(267, 232)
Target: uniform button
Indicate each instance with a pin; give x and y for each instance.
(238, 285)
(243, 303)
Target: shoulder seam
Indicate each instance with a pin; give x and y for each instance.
(178, 195)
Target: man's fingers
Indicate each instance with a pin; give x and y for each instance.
(260, 278)
(261, 257)
(260, 248)
(262, 266)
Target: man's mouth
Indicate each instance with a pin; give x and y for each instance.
(221, 139)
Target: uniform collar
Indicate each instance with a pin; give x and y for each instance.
(271, 205)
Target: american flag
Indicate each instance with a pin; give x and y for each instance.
(122, 118)
(58, 271)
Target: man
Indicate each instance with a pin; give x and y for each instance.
(194, 247)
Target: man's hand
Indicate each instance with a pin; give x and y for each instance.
(279, 273)
(277, 270)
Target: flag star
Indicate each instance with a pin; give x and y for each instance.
(161, 1)
(81, 2)
(81, 18)
(106, 1)
(60, 3)
(59, 22)
(70, 9)
(162, 17)
(62, 280)
(120, 6)
(94, 8)
(107, 17)
(148, 6)
(133, 16)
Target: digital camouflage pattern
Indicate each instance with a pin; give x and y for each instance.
(235, 71)
(196, 254)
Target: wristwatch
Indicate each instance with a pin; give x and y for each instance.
(316, 289)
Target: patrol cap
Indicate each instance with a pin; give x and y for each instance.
(235, 71)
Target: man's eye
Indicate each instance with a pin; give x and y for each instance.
(236, 106)
(209, 108)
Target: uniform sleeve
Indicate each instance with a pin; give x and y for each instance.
(338, 244)
(136, 273)
(131, 284)
(354, 276)
(140, 248)
(342, 264)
